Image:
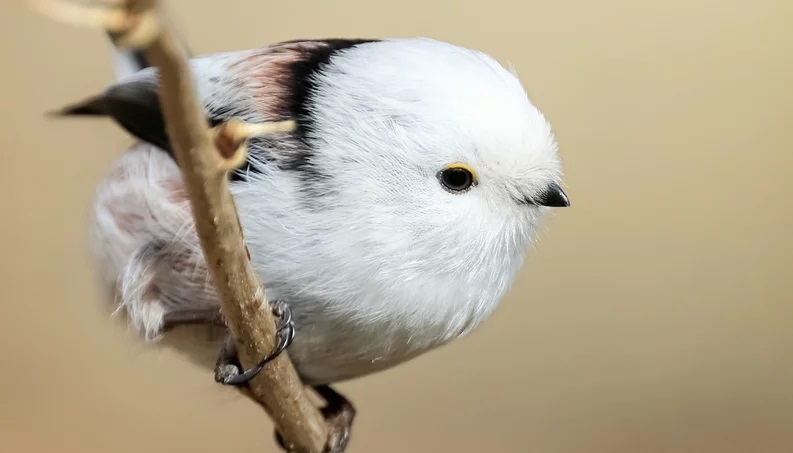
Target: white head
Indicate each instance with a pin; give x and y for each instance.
(395, 127)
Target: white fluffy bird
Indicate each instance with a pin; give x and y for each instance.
(392, 220)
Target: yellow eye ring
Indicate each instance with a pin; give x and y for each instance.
(458, 177)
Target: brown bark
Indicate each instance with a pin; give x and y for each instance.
(141, 24)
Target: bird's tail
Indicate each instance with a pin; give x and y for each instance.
(126, 62)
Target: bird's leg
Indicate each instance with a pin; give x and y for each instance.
(228, 368)
(228, 364)
(191, 317)
(339, 413)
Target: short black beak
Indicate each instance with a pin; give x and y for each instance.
(553, 197)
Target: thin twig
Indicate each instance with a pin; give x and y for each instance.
(205, 167)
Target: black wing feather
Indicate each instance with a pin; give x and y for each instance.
(135, 106)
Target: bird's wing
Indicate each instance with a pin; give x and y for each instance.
(133, 104)
(133, 100)
(265, 84)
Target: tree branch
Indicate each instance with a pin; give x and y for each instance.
(205, 167)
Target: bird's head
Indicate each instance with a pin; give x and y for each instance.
(429, 162)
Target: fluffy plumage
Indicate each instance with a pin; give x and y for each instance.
(345, 218)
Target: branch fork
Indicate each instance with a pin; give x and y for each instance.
(231, 138)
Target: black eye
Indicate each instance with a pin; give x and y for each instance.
(457, 178)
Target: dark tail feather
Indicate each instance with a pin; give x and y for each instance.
(95, 106)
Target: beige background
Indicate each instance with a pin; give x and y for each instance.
(655, 316)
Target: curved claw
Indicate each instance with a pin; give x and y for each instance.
(285, 333)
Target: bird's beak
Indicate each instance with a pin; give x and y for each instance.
(553, 197)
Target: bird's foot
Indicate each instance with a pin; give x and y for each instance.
(339, 413)
(228, 368)
(207, 316)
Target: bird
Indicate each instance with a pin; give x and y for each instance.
(391, 221)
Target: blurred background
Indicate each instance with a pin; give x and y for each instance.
(654, 316)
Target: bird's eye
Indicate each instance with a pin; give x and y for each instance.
(457, 178)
